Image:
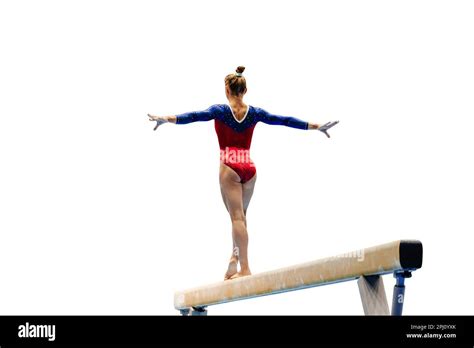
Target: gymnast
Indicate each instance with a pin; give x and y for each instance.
(234, 124)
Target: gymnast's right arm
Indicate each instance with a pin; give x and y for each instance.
(265, 117)
(188, 117)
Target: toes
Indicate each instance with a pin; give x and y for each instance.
(228, 276)
(239, 274)
(235, 276)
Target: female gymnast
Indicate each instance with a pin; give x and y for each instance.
(234, 124)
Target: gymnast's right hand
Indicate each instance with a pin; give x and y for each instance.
(325, 127)
(158, 119)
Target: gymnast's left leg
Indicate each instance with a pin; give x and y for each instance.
(232, 192)
(247, 192)
(234, 256)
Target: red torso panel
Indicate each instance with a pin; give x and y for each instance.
(230, 138)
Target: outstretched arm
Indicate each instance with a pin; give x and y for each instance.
(268, 118)
(188, 117)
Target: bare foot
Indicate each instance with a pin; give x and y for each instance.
(231, 270)
(241, 274)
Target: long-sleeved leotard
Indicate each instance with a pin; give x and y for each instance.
(235, 137)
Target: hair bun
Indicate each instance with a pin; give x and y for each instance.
(240, 69)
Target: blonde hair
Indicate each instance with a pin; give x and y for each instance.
(236, 83)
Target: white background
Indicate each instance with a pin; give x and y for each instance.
(101, 215)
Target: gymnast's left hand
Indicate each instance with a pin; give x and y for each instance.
(158, 119)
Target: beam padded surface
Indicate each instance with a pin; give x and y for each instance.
(377, 260)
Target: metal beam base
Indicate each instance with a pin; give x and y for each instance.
(399, 292)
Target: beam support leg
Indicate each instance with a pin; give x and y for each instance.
(198, 311)
(399, 292)
(184, 312)
(194, 311)
(372, 294)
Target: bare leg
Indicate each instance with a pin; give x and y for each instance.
(232, 191)
(247, 191)
(234, 256)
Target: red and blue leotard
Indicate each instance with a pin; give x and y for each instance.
(235, 136)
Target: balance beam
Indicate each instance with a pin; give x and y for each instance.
(368, 265)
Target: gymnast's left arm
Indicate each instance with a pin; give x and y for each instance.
(188, 117)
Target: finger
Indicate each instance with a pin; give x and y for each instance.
(332, 124)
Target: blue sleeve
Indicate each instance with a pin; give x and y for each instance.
(268, 118)
(196, 116)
